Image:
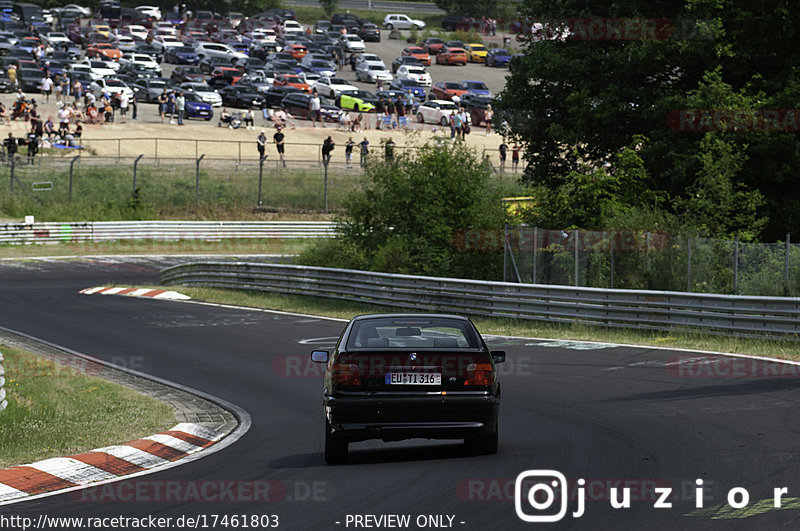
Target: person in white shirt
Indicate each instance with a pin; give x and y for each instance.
(123, 107)
(47, 88)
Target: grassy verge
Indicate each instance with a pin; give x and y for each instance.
(155, 247)
(54, 411)
(784, 349)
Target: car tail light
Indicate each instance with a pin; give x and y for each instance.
(479, 374)
(346, 374)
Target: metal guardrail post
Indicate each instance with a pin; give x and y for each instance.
(3, 401)
(325, 162)
(197, 179)
(260, 178)
(11, 161)
(576, 257)
(786, 266)
(135, 164)
(71, 173)
(689, 264)
(736, 265)
(535, 247)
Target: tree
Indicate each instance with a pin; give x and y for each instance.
(597, 77)
(408, 215)
(329, 6)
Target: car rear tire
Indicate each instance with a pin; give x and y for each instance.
(356, 108)
(389, 27)
(420, 118)
(335, 448)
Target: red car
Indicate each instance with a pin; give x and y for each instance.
(291, 80)
(452, 56)
(419, 53)
(445, 90)
(433, 45)
(298, 51)
(104, 49)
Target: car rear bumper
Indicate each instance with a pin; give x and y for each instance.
(393, 418)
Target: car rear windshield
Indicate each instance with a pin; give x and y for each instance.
(412, 332)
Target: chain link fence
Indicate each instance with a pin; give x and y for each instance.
(649, 260)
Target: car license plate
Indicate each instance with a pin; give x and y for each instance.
(413, 378)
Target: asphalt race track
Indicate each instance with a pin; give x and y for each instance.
(614, 416)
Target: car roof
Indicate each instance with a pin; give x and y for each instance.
(409, 316)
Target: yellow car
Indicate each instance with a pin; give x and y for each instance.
(476, 52)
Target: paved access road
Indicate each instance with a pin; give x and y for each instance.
(604, 413)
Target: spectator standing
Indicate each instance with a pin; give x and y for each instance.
(364, 145)
(452, 121)
(77, 91)
(348, 152)
(57, 89)
(123, 107)
(171, 106)
(162, 104)
(515, 157)
(380, 108)
(180, 106)
(314, 106)
(488, 114)
(261, 143)
(400, 109)
(12, 75)
(65, 85)
(249, 119)
(47, 88)
(10, 144)
(327, 148)
(135, 104)
(278, 138)
(503, 150)
(33, 146)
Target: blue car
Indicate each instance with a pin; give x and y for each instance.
(196, 108)
(497, 57)
(183, 55)
(476, 87)
(409, 85)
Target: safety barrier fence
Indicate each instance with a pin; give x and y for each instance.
(3, 401)
(104, 231)
(638, 309)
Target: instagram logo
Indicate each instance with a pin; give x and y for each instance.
(536, 492)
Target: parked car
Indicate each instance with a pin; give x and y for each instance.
(445, 90)
(417, 73)
(241, 97)
(370, 73)
(476, 52)
(357, 100)
(403, 376)
(274, 95)
(497, 57)
(458, 22)
(436, 112)
(369, 32)
(292, 80)
(409, 85)
(181, 74)
(181, 55)
(476, 87)
(298, 105)
(452, 56)
(398, 21)
(432, 45)
(150, 89)
(418, 53)
(405, 60)
(110, 85)
(351, 43)
(331, 86)
(203, 92)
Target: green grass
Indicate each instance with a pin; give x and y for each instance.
(785, 349)
(55, 411)
(155, 247)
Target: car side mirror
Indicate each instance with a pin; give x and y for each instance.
(319, 356)
(499, 356)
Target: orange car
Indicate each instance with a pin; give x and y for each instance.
(445, 90)
(234, 74)
(298, 51)
(106, 49)
(452, 56)
(291, 80)
(419, 53)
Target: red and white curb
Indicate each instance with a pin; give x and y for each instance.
(136, 292)
(104, 464)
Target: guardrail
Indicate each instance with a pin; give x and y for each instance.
(648, 310)
(103, 231)
(3, 401)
